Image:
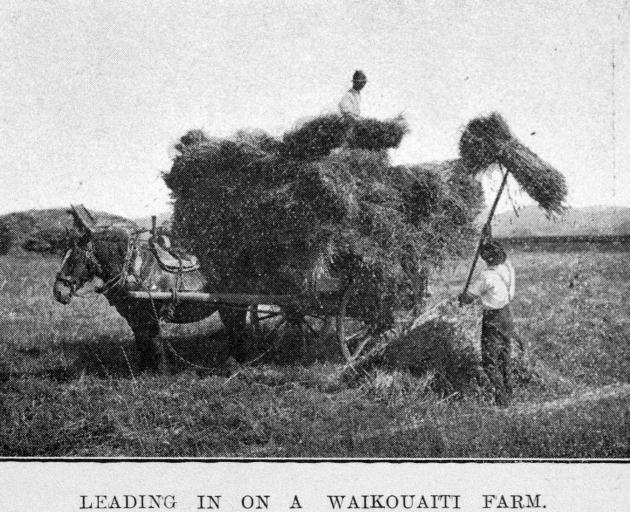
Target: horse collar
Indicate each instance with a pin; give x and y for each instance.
(91, 259)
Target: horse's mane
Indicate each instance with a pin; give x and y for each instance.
(110, 248)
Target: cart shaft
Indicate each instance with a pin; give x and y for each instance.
(222, 298)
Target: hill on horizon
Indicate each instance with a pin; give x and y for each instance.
(30, 224)
(530, 221)
(589, 220)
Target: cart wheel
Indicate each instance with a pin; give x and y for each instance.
(310, 329)
(287, 329)
(353, 334)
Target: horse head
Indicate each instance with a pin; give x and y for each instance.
(94, 252)
(79, 266)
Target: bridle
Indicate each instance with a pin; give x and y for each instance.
(94, 268)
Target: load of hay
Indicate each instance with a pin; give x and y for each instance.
(268, 216)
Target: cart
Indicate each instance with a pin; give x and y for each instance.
(347, 303)
(331, 300)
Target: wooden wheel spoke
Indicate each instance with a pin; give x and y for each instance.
(363, 332)
(353, 334)
(360, 347)
(274, 329)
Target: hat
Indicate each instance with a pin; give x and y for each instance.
(359, 76)
(492, 252)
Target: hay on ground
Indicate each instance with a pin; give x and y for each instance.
(439, 348)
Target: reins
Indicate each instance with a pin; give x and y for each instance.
(120, 279)
(114, 284)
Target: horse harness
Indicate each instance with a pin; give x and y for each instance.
(90, 261)
(168, 261)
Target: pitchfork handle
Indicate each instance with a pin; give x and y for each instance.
(484, 229)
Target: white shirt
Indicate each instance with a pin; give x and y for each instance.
(350, 103)
(495, 286)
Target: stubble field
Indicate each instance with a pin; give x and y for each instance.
(69, 384)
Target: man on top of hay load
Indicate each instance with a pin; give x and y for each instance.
(495, 288)
(350, 104)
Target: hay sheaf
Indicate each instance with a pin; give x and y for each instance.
(263, 219)
(321, 135)
(317, 137)
(376, 135)
(446, 347)
(487, 140)
(439, 348)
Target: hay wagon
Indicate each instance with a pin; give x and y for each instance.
(385, 214)
(328, 305)
(331, 305)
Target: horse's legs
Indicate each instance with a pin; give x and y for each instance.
(150, 347)
(146, 331)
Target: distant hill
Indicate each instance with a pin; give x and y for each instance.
(590, 220)
(531, 221)
(37, 224)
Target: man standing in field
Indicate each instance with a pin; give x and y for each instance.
(350, 104)
(495, 288)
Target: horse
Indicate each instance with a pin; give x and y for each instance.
(116, 256)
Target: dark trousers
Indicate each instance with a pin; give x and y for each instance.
(496, 332)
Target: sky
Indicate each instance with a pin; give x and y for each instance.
(94, 94)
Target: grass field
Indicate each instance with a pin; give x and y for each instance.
(69, 384)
